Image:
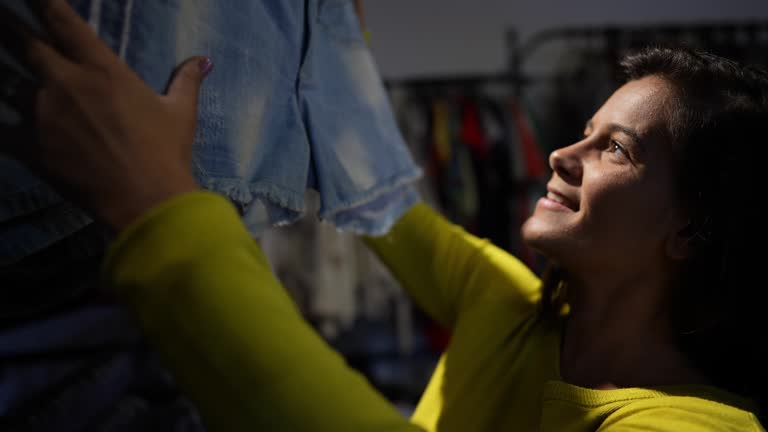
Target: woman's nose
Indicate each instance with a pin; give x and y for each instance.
(567, 164)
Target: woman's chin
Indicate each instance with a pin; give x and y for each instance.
(542, 237)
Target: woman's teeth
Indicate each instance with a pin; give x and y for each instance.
(556, 198)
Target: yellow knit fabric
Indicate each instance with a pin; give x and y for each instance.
(204, 294)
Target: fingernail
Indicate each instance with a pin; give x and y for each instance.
(206, 66)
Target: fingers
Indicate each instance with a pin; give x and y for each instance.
(69, 32)
(30, 50)
(185, 84)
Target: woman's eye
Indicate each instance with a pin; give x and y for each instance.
(616, 147)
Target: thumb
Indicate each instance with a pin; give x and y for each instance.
(185, 83)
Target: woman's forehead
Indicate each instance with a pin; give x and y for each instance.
(639, 104)
(642, 106)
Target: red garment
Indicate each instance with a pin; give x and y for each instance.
(535, 164)
(472, 133)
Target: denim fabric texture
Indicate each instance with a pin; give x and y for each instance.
(295, 91)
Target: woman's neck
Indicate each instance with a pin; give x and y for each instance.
(618, 335)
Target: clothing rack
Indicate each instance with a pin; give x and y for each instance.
(609, 40)
(748, 32)
(615, 41)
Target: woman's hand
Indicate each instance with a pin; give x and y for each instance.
(103, 137)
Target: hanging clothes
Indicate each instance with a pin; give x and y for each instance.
(296, 102)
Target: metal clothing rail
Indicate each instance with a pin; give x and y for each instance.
(609, 40)
(614, 41)
(743, 32)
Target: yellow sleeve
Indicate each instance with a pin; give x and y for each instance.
(446, 270)
(205, 296)
(682, 417)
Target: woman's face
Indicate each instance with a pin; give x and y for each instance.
(611, 201)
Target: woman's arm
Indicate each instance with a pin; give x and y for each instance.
(446, 270)
(205, 296)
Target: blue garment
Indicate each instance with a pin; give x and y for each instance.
(361, 163)
(295, 92)
(87, 370)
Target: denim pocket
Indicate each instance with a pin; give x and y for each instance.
(339, 19)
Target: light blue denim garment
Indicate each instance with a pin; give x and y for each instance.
(251, 143)
(295, 89)
(363, 169)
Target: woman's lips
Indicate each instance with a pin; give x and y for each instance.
(555, 201)
(553, 205)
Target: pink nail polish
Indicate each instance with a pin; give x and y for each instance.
(206, 66)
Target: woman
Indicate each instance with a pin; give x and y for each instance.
(646, 321)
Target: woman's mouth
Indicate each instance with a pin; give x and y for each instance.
(555, 201)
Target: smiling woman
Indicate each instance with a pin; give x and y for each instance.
(616, 194)
(653, 238)
(646, 222)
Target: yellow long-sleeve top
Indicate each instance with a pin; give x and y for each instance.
(203, 292)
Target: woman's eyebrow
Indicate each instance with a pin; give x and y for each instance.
(615, 127)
